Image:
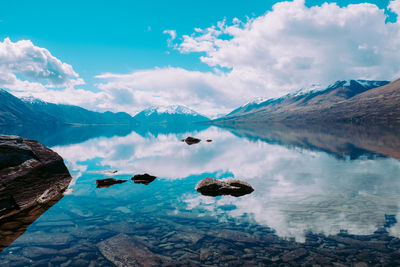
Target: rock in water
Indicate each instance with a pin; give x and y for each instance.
(213, 187)
(108, 182)
(143, 178)
(191, 140)
(32, 179)
(30, 174)
(123, 250)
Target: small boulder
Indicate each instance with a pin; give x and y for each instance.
(213, 187)
(108, 182)
(143, 178)
(191, 140)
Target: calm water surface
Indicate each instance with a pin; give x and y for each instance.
(308, 206)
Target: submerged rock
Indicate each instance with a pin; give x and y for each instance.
(108, 182)
(191, 140)
(143, 178)
(30, 174)
(123, 250)
(213, 187)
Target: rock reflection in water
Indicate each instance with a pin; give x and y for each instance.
(213, 187)
(14, 226)
(107, 182)
(143, 178)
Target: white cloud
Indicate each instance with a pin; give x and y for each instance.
(34, 63)
(295, 190)
(164, 86)
(172, 36)
(394, 6)
(293, 46)
(288, 48)
(29, 70)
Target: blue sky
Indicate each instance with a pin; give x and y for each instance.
(123, 37)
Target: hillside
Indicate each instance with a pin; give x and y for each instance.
(76, 115)
(15, 111)
(346, 101)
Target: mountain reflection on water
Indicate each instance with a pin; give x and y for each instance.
(319, 197)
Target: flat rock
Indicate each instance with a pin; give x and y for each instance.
(123, 250)
(191, 140)
(213, 187)
(143, 178)
(107, 182)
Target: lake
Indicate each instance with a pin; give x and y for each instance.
(327, 198)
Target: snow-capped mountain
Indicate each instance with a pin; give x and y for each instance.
(352, 83)
(29, 110)
(32, 100)
(340, 90)
(354, 102)
(169, 114)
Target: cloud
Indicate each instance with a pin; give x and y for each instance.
(29, 70)
(289, 48)
(296, 191)
(165, 86)
(172, 34)
(34, 63)
(294, 46)
(395, 6)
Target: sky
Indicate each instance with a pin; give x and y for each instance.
(211, 56)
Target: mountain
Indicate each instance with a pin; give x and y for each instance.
(169, 115)
(30, 111)
(76, 115)
(13, 111)
(356, 101)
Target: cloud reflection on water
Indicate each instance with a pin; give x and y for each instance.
(295, 190)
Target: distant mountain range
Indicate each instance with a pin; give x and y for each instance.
(169, 115)
(32, 111)
(15, 111)
(355, 101)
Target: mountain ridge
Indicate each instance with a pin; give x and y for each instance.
(345, 101)
(16, 111)
(174, 114)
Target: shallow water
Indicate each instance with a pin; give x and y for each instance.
(310, 205)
